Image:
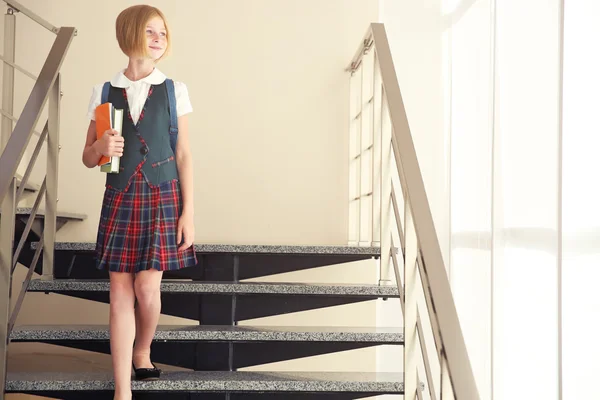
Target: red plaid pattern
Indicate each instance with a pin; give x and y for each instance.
(156, 164)
(138, 228)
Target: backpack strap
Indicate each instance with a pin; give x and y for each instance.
(173, 128)
(105, 91)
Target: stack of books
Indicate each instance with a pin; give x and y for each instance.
(108, 117)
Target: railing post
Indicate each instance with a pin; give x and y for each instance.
(411, 345)
(377, 118)
(7, 228)
(51, 179)
(354, 168)
(8, 76)
(385, 266)
(7, 220)
(423, 261)
(447, 392)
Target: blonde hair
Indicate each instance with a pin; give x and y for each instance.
(131, 29)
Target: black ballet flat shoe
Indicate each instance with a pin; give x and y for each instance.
(146, 374)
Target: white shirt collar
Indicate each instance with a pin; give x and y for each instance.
(121, 81)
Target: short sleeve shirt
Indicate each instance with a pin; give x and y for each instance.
(137, 92)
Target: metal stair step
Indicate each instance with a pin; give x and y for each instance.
(186, 286)
(29, 187)
(26, 212)
(244, 249)
(226, 381)
(221, 262)
(238, 333)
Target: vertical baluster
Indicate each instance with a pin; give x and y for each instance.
(8, 76)
(7, 238)
(385, 271)
(446, 384)
(377, 180)
(366, 148)
(354, 161)
(359, 160)
(51, 179)
(411, 353)
(350, 163)
(7, 221)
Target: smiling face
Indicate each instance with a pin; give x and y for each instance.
(143, 32)
(156, 38)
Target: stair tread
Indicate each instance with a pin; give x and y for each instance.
(187, 286)
(29, 187)
(247, 249)
(391, 335)
(183, 381)
(59, 214)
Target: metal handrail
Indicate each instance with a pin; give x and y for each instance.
(34, 156)
(421, 249)
(28, 226)
(15, 119)
(15, 312)
(15, 148)
(33, 16)
(13, 144)
(425, 356)
(18, 68)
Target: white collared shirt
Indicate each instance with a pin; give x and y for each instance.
(137, 92)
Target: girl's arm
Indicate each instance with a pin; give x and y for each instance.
(185, 225)
(91, 156)
(109, 145)
(185, 166)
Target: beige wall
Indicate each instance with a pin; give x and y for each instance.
(267, 82)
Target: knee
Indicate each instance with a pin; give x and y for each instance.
(147, 291)
(122, 293)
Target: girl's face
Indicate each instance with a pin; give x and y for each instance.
(156, 38)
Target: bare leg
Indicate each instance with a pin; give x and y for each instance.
(147, 312)
(122, 330)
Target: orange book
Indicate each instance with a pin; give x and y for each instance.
(108, 117)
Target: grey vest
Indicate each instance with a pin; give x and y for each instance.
(147, 144)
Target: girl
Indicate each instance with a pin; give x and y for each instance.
(146, 223)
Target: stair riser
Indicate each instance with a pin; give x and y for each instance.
(224, 356)
(211, 267)
(219, 309)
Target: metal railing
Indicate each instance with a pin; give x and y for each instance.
(389, 207)
(13, 144)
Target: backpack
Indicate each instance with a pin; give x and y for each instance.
(173, 127)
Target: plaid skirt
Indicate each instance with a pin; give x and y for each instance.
(138, 228)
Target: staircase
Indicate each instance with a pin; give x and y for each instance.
(214, 294)
(205, 360)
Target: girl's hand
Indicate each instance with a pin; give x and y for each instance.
(185, 230)
(110, 144)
